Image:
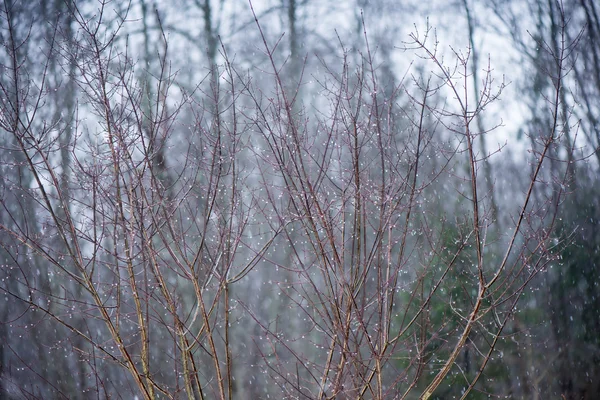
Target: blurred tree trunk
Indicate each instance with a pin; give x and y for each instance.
(477, 90)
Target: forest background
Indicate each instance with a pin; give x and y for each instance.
(299, 199)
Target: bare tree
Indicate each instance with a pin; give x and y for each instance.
(189, 240)
(350, 279)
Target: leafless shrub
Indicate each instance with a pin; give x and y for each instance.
(330, 232)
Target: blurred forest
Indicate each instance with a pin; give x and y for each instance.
(299, 199)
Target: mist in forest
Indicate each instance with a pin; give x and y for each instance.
(291, 199)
